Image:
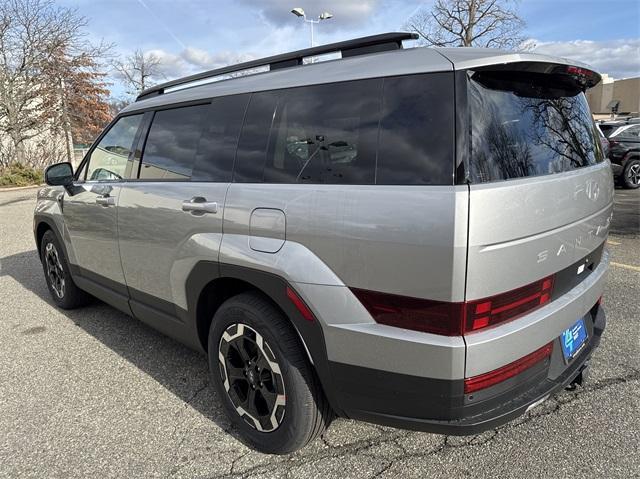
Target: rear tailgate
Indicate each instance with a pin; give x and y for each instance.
(523, 230)
(541, 199)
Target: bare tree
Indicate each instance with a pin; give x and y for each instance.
(42, 49)
(116, 104)
(139, 71)
(466, 23)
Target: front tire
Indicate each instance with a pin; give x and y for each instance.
(63, 290)
(631, 174)
(261, 373)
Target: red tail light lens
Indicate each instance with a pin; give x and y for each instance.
(503, 307)
(454, 319)
(489, 379)
(571, 70)
(437, 317)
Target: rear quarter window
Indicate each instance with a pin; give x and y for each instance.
(415, 145)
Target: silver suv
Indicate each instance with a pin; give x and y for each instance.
(408, 236)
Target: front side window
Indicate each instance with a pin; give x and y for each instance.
(316, 134)
(172, 143)
(110, 158)
(528, 124)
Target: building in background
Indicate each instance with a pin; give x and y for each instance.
(626, 91)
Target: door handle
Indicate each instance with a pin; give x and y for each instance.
(106, 200)
(199, 205)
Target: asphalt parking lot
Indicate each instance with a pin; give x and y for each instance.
(93, 392)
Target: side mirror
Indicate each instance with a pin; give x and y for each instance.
(60, 174)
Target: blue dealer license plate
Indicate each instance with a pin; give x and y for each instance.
(573, 339)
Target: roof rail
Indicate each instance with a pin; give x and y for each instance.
(349, 48)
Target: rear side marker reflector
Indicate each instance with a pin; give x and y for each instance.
(489, 379)
(454, 319)
(299, 304)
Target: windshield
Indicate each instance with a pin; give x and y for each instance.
(528, 124)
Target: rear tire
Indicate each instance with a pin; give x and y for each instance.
(63, 290)
(263, 377)
(631, 174)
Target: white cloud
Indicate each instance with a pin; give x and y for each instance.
(193, 60)
(171, 65)
(618, 58)
(204, 59)
(346, 12)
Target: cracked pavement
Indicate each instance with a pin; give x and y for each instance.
(94, 392)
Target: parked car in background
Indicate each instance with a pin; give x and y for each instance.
(604, 142)
(624, 150)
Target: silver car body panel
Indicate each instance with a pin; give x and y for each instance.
(48, 206)
(92, 229)
(353, 337)
(470, 57)
(523, 230)
(397, 239)
(159, 242)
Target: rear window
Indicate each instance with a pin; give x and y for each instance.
(528, 124)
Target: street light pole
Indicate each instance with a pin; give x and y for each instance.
(299, 12)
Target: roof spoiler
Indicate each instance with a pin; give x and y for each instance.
(349, 48)
(581, 75)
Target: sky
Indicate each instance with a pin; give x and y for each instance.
(196, 35)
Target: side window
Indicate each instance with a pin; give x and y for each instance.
(319, 134)
(108, 161)
(172, 142)
(252, 146)
(633, 132)
(217, 149)
(416, 144)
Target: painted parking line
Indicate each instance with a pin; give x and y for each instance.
(626, 266)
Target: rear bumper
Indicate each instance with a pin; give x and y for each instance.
(413, 380)
(441, 406)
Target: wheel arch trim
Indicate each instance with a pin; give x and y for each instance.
(273, 287)
(40, 221)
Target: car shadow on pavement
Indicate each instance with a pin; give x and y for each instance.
(180, 370)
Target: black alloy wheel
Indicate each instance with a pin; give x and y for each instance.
(252, 377)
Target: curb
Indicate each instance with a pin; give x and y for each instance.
(17, 188)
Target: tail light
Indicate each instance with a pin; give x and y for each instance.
(454, 319)
(496, 376)
(437, 317)
(503, 307)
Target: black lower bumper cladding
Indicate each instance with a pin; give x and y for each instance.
(440, 406)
